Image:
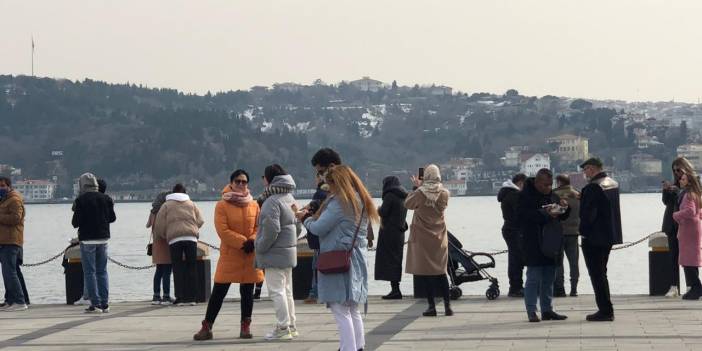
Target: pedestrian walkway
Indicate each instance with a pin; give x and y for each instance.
(642, 323)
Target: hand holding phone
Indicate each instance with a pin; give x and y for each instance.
(420, 174)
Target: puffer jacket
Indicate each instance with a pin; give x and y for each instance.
(178, 217)
(276, 240)
(12, 219)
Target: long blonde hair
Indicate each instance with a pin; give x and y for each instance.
(345, 184)
(693, 187)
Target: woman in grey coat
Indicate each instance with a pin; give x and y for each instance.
(276, 248)
(345, 214)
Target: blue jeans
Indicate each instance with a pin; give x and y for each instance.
(313, 288)
(539, 284)
(13, 288)
(162, 275)
(93, 257)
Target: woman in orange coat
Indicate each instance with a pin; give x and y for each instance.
(236, 221)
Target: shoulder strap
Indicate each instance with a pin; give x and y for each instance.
(358, 227)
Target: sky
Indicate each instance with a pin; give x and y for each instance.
(636, 50)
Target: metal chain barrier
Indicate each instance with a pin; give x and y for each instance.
(124, 265)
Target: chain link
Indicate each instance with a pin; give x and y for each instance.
(124, 265)
(210, 245)
(624, 246)
(44, 261)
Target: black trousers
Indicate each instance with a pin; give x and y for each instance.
(219, 292)
(434, 282)
(596, 258)
(692, 277)
(674, 248)
(515, 260)
(184, 270)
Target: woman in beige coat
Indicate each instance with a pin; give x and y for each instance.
(160, 256)
(427, 250)
(179, 222)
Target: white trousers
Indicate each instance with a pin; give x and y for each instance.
(350, 325)
(279, 284)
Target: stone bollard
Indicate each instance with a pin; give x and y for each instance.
(660, 265)
(73, 271)
(204, 273)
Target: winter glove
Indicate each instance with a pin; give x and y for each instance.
(248, 246)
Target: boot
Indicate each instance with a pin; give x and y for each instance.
(245, 332)
(574, 288)
(205, 332)
(559, 291)
(431, 311)
(694, 294)
(447, 309)
(395, 293)
(533, 317)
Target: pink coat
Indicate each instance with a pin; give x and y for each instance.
(689, 232)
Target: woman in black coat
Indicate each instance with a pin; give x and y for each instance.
(391, 239)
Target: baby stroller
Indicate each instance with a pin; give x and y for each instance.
(462, 267)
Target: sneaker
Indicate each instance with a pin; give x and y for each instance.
(14, 307)
(3, 305)
(293, 331)
(193, 303)
(156, 300)
(93, 309)
(166, 300)
(105, 308)
(279, 334)
(82, 302)
(673, 292)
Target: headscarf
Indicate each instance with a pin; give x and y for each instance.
(87, 183)
(431, 185)
(391, 184)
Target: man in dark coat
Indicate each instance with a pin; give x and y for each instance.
(541, 210)
(600, 228)
(508, 197)
(391, 238)
(312, 240)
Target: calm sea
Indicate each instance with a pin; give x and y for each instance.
(475, 220)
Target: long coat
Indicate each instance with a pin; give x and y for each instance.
(670, 200)
(335, 228)
(427, 248)
(391, 238)
(689, 232)
(533, 219)
(235, 225)
(600, 217)
(161, 252)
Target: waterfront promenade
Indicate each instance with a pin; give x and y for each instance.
(642, 323)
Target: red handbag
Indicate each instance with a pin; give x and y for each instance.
(338, 261)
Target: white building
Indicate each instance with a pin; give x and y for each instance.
(456, 187)
(291, 87)
(511, 158)
(461, 168)
(36, 190)
(647, 165)
(530, 163)
(570, 147)
(440, 90)
(693, 153)
(367, 84)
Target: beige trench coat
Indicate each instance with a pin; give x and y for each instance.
(427, 249)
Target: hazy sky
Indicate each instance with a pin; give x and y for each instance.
(618, 49)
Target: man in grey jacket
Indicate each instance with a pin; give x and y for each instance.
(570, 234)
(276, 248)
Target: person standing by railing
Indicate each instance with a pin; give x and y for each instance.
(391, 237)
(11, 241)
(571, 247)
(690, 233)
(160, 256)
(92, 214)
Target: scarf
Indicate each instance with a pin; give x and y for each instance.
(272, 190)
(237, 198)
(431, 185)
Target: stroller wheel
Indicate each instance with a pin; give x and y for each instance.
(492, 293)
(455, 292)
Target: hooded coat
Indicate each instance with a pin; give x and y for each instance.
(427, 247)
(391, 237)
(235, 225)
(689, 232)
(177, 218)
(276, 240)
(161, 253)
(92, 211)
(508, 197)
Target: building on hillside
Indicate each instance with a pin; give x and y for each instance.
(647, 165)
(290, 87)
(367, 84)
(456, 187)
(570, 148)
(530, 163)
(440, 90)
(511, 158)
(36, 190)
(461, 168)
(692, 152)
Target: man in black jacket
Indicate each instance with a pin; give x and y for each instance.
(508, 197)
(92, 214)
(600, 228)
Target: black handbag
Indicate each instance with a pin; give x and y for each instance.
(150, 247)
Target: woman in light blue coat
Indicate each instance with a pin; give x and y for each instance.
(345, 214)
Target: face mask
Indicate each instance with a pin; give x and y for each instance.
(3, 192)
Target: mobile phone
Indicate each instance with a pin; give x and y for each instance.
(421, 173)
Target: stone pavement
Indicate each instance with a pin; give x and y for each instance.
(642, 323)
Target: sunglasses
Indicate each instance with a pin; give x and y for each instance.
(241, 182)
(677, 170)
